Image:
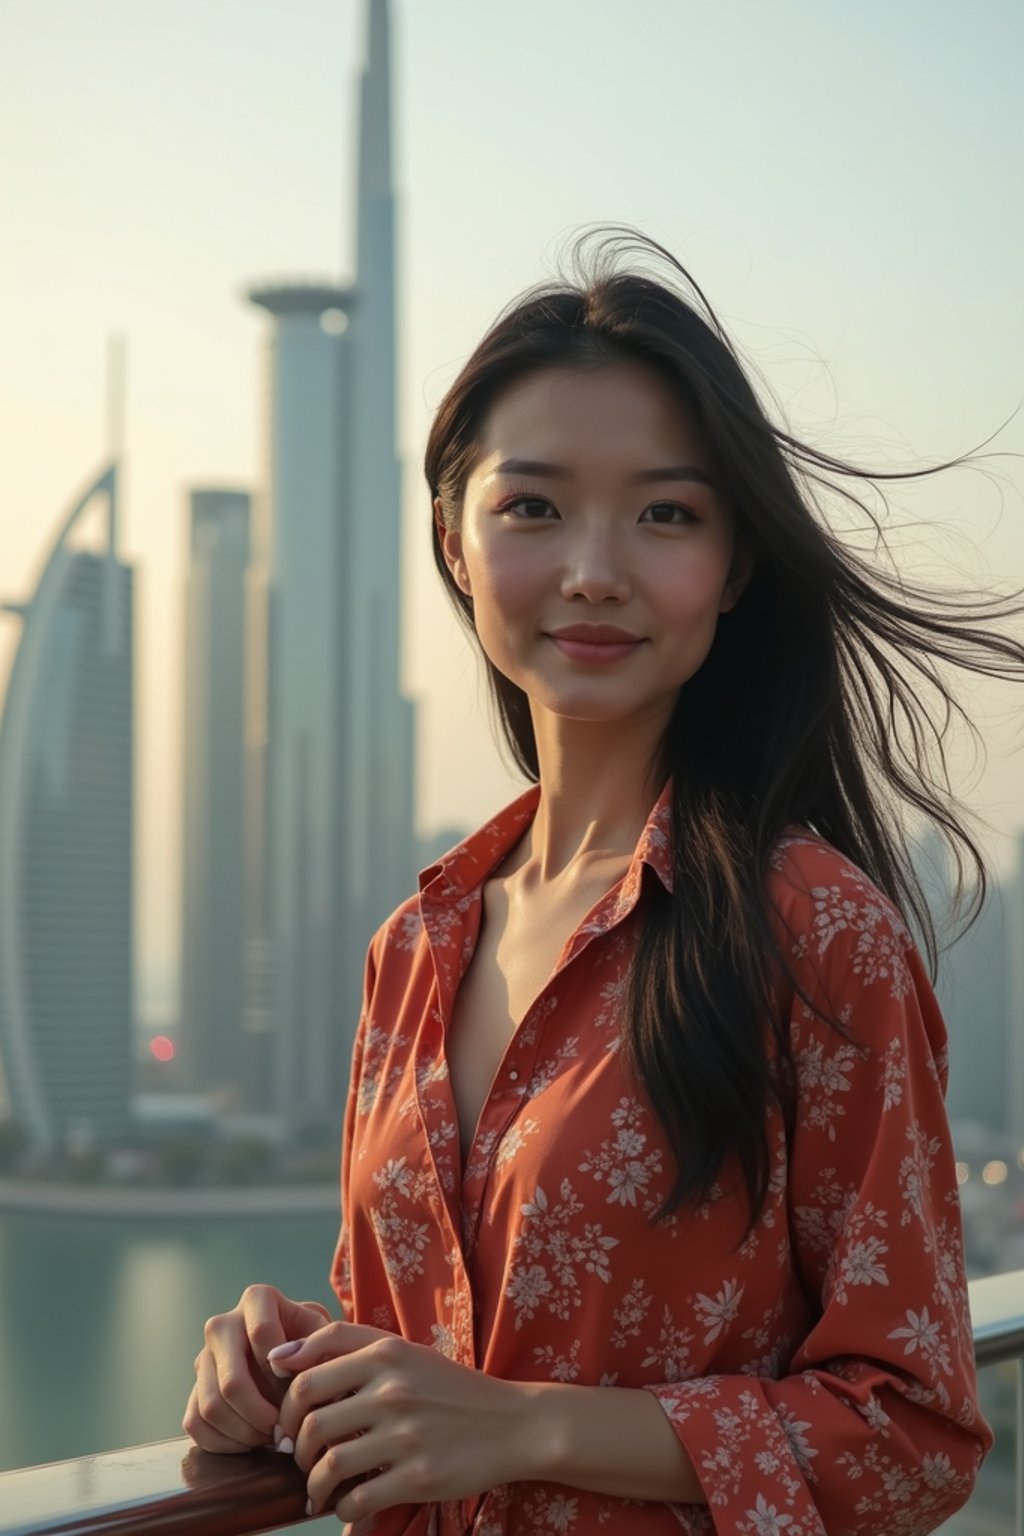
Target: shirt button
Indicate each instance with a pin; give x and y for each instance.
(514, 1076)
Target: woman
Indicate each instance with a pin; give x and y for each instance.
(650, 1215)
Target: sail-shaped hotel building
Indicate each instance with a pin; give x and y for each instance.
(66, 784)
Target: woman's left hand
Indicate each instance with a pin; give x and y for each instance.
(363, 1400)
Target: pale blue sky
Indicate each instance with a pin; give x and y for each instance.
(842, 180)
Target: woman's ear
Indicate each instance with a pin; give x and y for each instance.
(740, 573)
(451, 546)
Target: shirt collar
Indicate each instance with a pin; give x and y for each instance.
(465, 867)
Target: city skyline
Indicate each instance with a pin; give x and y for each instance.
(893, 338)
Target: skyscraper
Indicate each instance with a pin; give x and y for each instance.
(330, 844)
(211, 990)
(971, 990)
(296, 709)
(66, 781)
(380, 736)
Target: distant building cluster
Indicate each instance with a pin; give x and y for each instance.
(298, 830)
(981, 990)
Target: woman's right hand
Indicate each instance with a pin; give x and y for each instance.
(233, 1405)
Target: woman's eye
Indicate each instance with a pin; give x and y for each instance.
(527, 501)
(672, 507)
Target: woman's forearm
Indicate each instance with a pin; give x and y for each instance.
(613, 1440)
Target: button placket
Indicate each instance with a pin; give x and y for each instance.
(428, 1048)
(473, 1191)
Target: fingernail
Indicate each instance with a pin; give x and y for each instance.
(281, 1350)
(309, 1506)
(285, 1445)
(278, 1434)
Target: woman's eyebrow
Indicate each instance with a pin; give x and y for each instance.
(642, 476)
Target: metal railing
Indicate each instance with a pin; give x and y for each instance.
(174, 1489)
(997, 1318)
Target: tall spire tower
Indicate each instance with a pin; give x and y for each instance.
(330, 850)
(381, 856)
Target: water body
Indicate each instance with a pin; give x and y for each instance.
(101, 1318)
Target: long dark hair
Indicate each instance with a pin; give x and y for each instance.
(811, 706)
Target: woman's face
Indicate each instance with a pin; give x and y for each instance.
(593, 502)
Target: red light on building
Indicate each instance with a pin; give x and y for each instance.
(162, 1048)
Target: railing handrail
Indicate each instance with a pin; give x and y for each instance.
(172, 1488)
(169, 1487)
(997, 1317)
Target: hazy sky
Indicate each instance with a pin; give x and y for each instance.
(843, 181)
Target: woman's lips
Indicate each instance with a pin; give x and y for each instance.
(585, 650)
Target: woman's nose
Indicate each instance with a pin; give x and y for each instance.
(595, 567)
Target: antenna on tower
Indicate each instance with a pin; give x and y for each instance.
(116, 346)
(116, 367)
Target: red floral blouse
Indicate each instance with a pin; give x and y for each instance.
(820, 1374)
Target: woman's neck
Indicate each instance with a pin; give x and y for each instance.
(593, 805)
